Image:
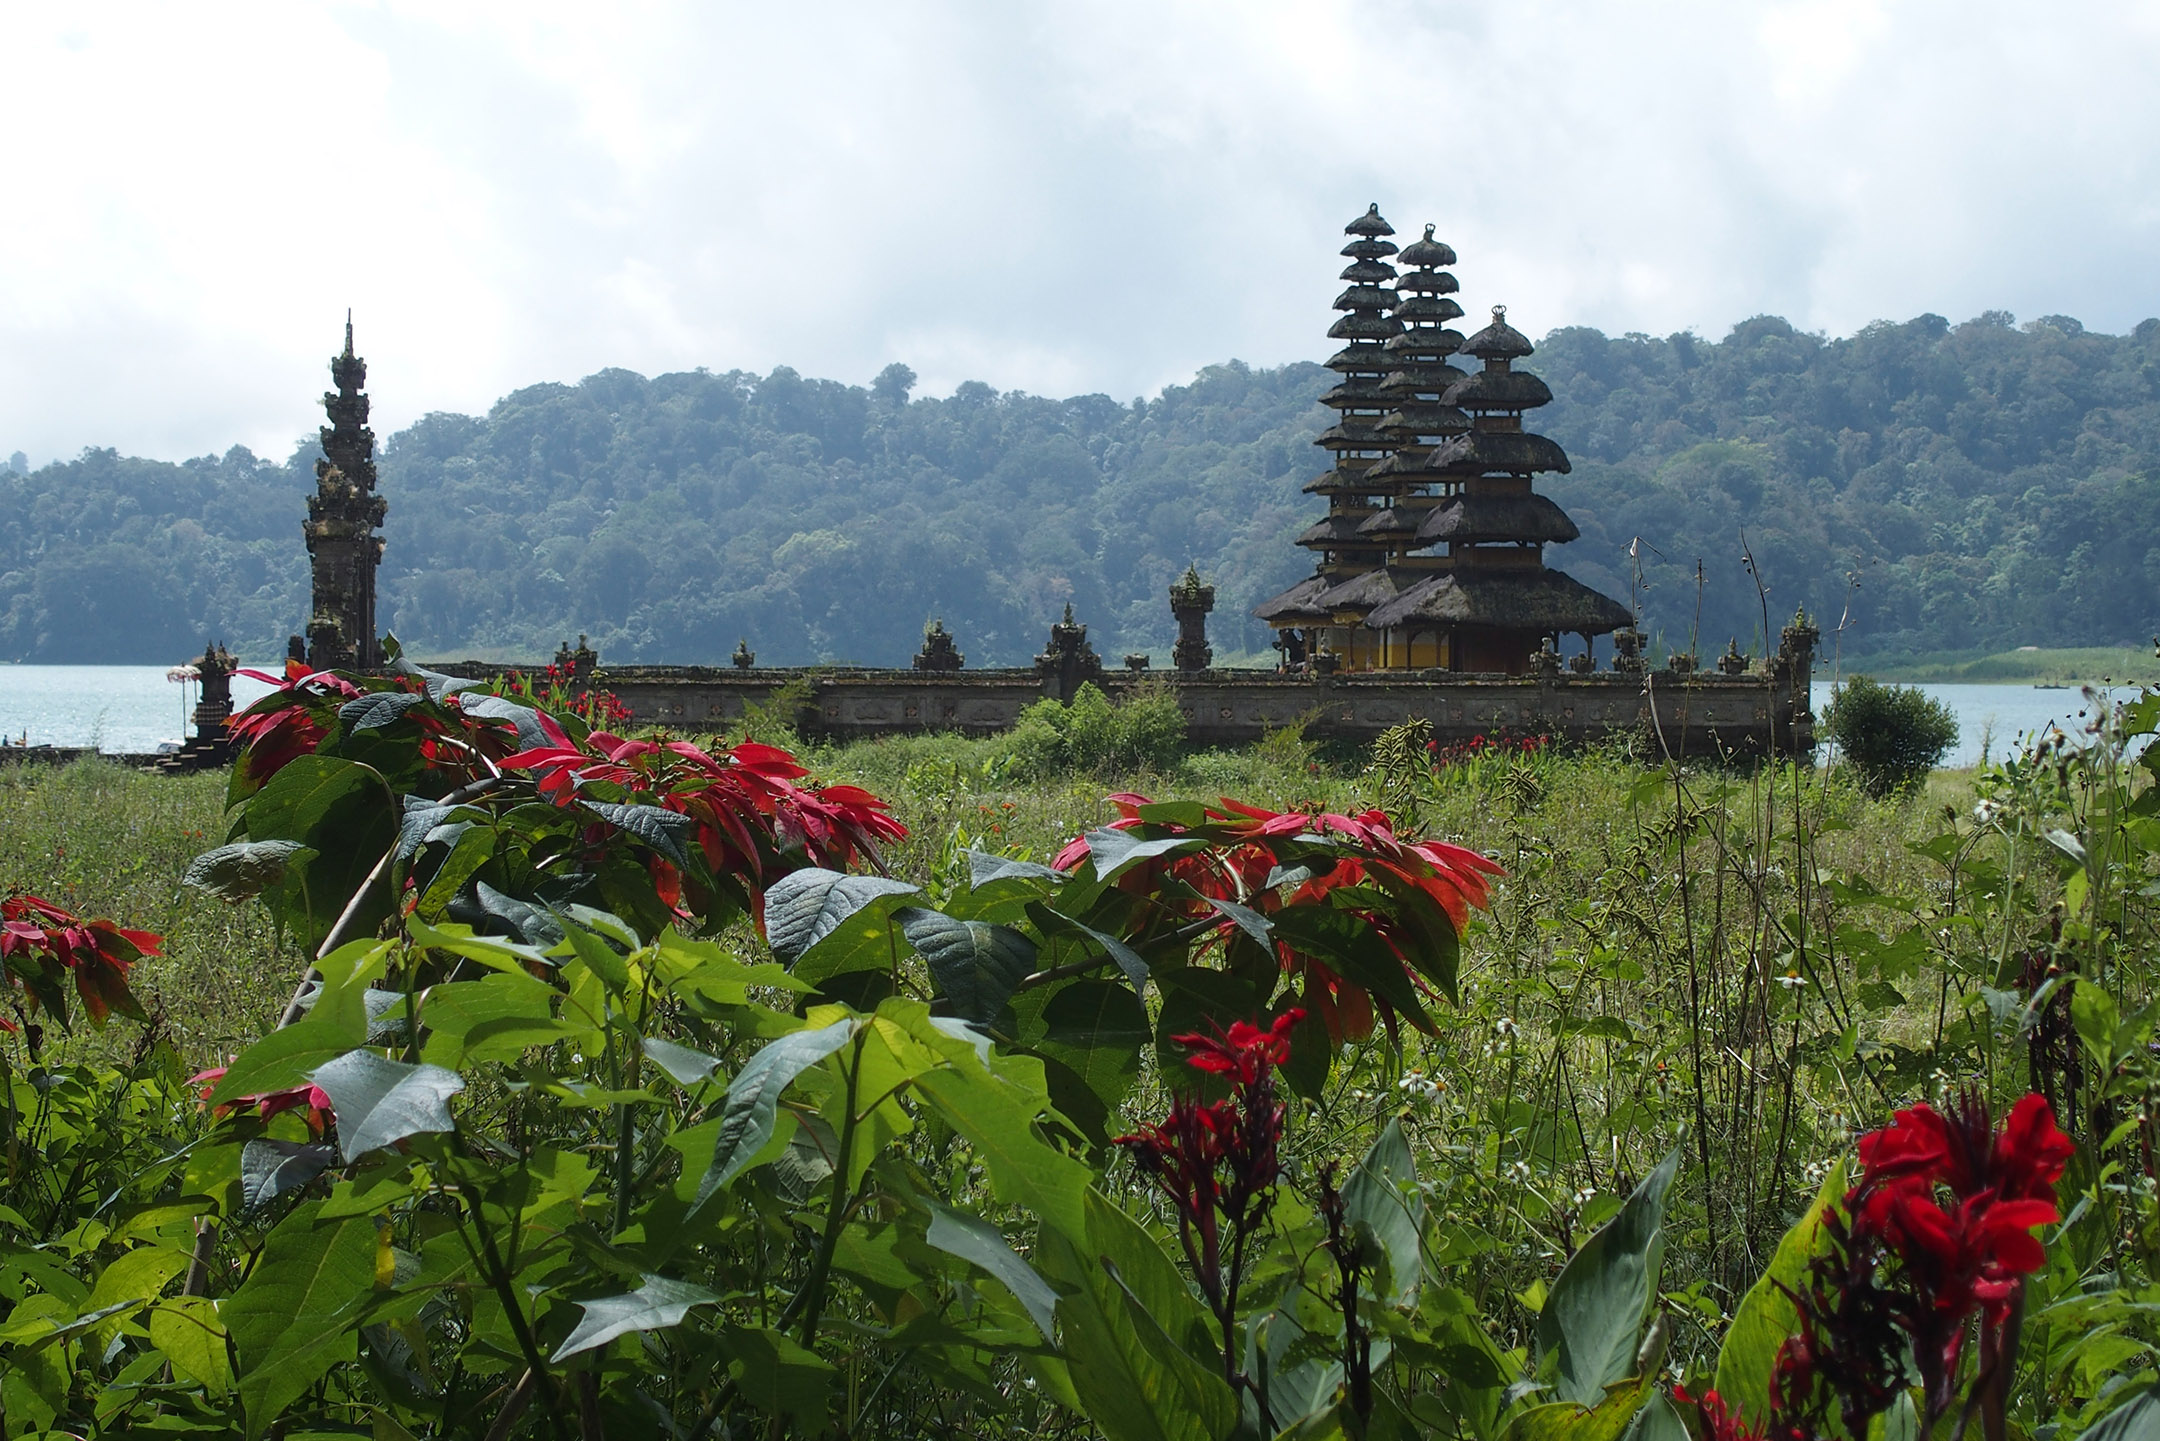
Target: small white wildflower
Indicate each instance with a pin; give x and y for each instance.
(1421, 1086)
(1505, 1026)
(1791, 980)
(1584, 1196)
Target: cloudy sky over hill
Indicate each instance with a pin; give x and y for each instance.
(1068, 198)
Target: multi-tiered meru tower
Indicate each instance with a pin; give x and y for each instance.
(344, 515)
(1432, 553)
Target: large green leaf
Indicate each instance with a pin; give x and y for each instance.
(290, 1320)
(378, 1100)
(1129, 1327)
(1112, 851)
(975, 965)
(1592, 1320)
(781, 1377)
(284, 1059)
(805, 906)
(1056, 923)
(1766, 1315)
(343, 811)
(244, 869)
(656, 1304)
(2137, 1419)
(998, 1119)
(531, 734)
(188, 1331)
(1096, 1029)
(1606, 1418)
(753, 1099)
(982, 1244)
(1658, 1421)
(269, 1169)
(376, 710)
(1382, 1201)
(983, 868)
(668, 832)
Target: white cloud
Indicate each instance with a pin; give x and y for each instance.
(1097, 196)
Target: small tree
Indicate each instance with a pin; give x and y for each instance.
(1892, 735)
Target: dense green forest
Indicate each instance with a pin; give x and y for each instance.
(1943, 487)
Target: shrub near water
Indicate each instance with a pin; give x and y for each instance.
(1891, 735)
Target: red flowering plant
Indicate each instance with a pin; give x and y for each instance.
(43, 948)
(412, 726)
(744, 814)
(555, 689)
(1217, 1163)
(310, 1098)
(1925, 1258)
(1357, 922)
(358, 797)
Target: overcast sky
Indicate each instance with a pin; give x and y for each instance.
(1058, 198)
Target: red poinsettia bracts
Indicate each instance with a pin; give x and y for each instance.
(313, 1098)
(288, 723)
(751, 812)
(41, 945)
(1404, 893)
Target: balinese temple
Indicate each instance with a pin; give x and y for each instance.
(344, 514)
(1432, 554)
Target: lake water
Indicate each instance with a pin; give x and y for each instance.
(1997, 715)
(134, 707)
(127, 708)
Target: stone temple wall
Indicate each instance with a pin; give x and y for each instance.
(1698, 714)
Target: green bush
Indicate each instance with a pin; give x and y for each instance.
(1143, 733)
(1891, 735)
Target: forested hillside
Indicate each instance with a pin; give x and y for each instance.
(1985, 484)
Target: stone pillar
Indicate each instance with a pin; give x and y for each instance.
(214, 707)
(1190, 602)
(1070, 662)
(1792, 673)
(939, 651)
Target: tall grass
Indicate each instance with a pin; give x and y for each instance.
(1749, 965)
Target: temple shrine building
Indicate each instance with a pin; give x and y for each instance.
(1431, 555)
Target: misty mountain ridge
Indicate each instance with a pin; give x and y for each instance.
(1941, 487)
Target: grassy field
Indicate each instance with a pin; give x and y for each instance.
(1623, 885)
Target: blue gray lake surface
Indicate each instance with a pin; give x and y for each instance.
(132, 708)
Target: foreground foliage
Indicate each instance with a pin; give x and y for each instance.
(634, 1091)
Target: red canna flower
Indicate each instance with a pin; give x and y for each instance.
(1218, 1163)
(1935, 1239)
(1719, 1423)
(1245, 1053)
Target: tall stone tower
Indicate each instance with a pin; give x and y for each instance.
(344, 548)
